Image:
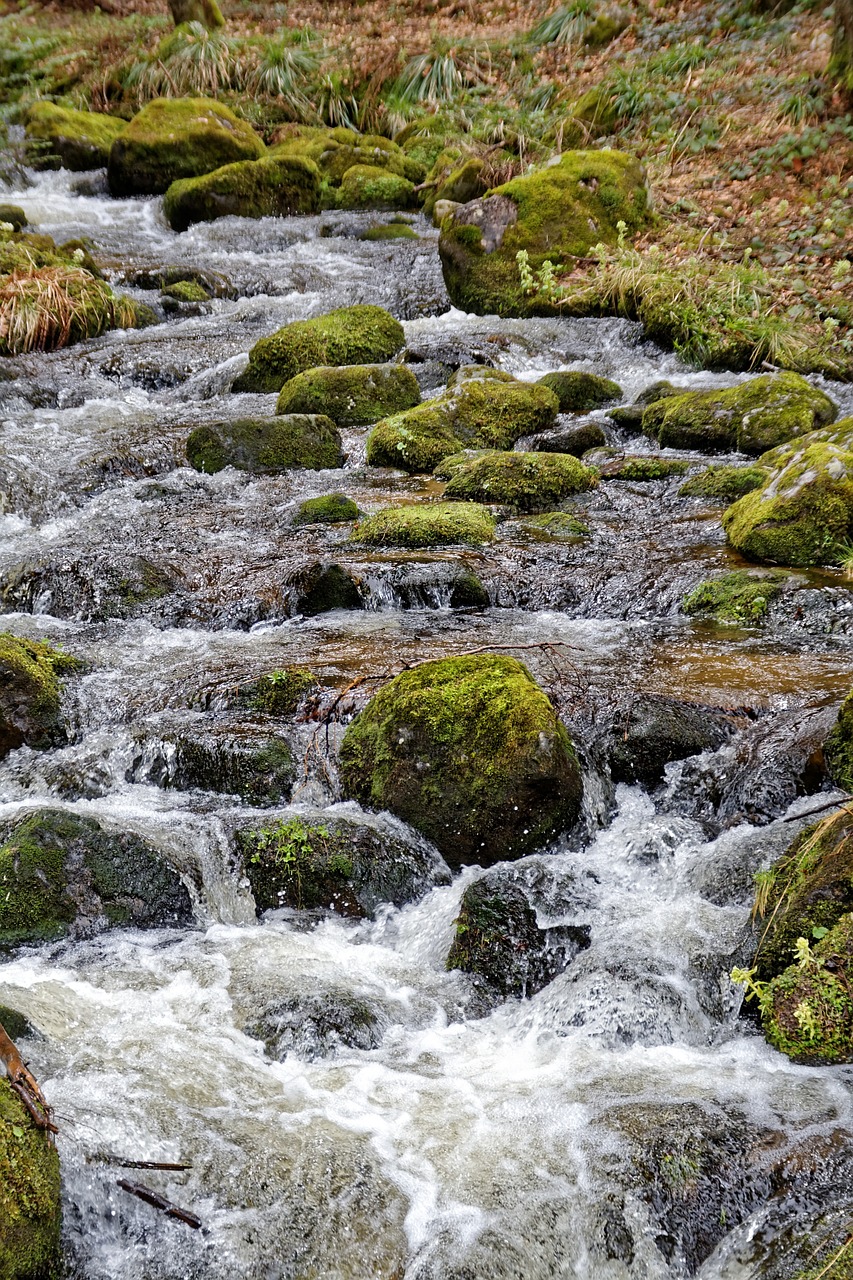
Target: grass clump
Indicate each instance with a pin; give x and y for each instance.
(427, 525)
(740, 598)
(43, 308)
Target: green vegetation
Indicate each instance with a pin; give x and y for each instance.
(350, 335)
(580, 392)
(436, 524)
(526, 481)
(278, 693)
(390, 231)
(30, 1209)
(331, 508)
(73, 139)
(556, 524)
(643, 469)
(185, 291)
(272, 187)
(351, 395)
(30, 689)
(469, 751)
(365, 186)
(838, 748)
(739, 598)
(724, 484)
(266, 446)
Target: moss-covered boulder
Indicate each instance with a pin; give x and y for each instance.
(349, 335)
(272, 187)
(579, 392)
(336, 151)
(724, 484)
(576, 440)
(436, 524)
(336, 862)
(753, 416)
(174, 138)
(643, 469)
(482, 412)
(499, 942)
(739, 598)
(807, 1011)
(266, 446)
(331, 508)
(839, 747)
(30, 1207)
(352, 395)
(389, 231)
(30, 688)
(244, 761)
(558, 525)
(630, 416)
(462, 184)
(803, 515)
(62, 874)
(557, 213)
(78, 140)
(13, 215)
(470, 752)
(366, 187)
(185, 291)
(525, 481)
(321, 586)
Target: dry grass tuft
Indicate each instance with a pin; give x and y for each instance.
(50, 307)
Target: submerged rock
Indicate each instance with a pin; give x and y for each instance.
(75, 140)
(30, 688)
(525, 481)
(350, 335)
(62, 874)
(651, 730)
(740, 598)
(315, 1026)
(266, 446)
(272, 187)
(469, 751)
(174, 138)
(724, 484)
(351, 395)
(558, 212)
(347, 864)
(30, 1204)
(246, 762)
(427, 525)
(579, 392)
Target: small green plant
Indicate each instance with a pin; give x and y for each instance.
(286, 847)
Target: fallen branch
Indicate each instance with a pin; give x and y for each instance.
(24, 1084)
(160, 1202)
(119, 1162)
(821, 808)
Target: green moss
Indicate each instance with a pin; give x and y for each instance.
(724, 484)
(640, 469)
(391, 231)
(740, 597)
(526, 481)
(470, 751)
(174, 138)
(427, 525)
(498, 940)
(753, 416)
(278, 693)
(834, 1261)
(463, 183)
(30, 689)
(331, 508)
(554, 214)
(186, 291)
(75, 139)
(804, 514)
(13, 215)
(272, 187)
(478, 373)
(556, 524)
(30, 1209)
(258, 768)
(838, 748)
(349, 335)
(266, 446)
(416, 440)
(579, 392)
(368, 187)
(807, 1011)
(351, 395)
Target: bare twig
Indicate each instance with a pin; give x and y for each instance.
(25, 1084)
(160, 1202)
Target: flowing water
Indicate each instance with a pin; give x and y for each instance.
(624, 1122)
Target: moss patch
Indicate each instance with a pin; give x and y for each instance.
(278, 693)
(391, 231)
(331, 508)
(580, 392)
(556, 524)
(427, 525)
(266, 446)
(30, 689)
(367, 187)
(30, 1210)
(273, 187)
(740, 598)
(75, 140)
(350, 335)
(839, 747)
(526, 481)
(351, 395)
(186, 291)
(807, 1011)
(470, 751)
(643, 469)
(724, 484)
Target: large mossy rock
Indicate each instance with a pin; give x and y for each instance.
(75, 140)
(273, 187)
(348, 865)
(470, 752)
(349, 335)
(330, 508)
(525, 481)
(724, 485)
(839, 747)
(267, 446)
(438, 524)
(351, 395)
(336, 151)
(366, 187)
(803, 515)
(30, 689)
(740, 598)
(174, 138)
(61, 874)
(579, 392)
(554, 214)
(753, 416)
(30, 1206)
(478, 412)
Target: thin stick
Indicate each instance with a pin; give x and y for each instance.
(822, 808)
(160, 1202)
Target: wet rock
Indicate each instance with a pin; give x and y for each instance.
(352, 395)
(331, 508)
(13, 215)
(186, 291)
(579, 392)
(272, 187)
(574, 440)
(558, 525)
(630, 416)
(499, 942)
(316, 1026)
(322, 586)
(368, 187)
(470, 752)
(275, 693)
(838, 748)
(724, 484)
(350, 335)
(174, 138)
(437, 585)
(16, 1026)
(30, 689)
(434, 524)
(242, 761)
(558, 212)
(267, 446)
(473, 412)
(525, 481)
(753, 416)
(94, 587)
(740, 598)
(641, 469)
(61, 874)
(214, 283)
(348, 864)
(30, 1203)
(78, 140)
(651, 730)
